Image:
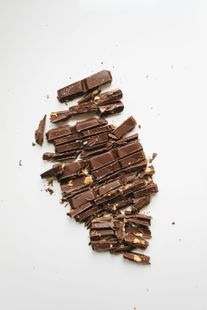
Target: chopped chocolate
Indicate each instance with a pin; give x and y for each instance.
(102, 160)
(137, 257)
(124, 128)
(53, 172)
(89, 96)
(113, 108)
(33, 144)
(20, 163)
(61, 156)
(39, 133)
(82, 87)
(154, 155)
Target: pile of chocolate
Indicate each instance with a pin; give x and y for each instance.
(103, 174)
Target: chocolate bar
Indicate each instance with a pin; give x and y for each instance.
(60, 157)
(83, 86)
(39, 133)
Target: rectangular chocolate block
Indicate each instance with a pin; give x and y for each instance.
(81, 87)
(137, 257)
(124, 128)
(72, 170)
(102, 160)
(82, 198)
(108, 97)
(67, 139)
(107, 170)
(79, 210)
(148, 190)
(102, 138)
(97, 130)
(113, 108)
(137, 242)
(132, 159)
(128, 149)
(53, 172)
(90, 123)
(58, 132)
(96, 150)
(77, 145)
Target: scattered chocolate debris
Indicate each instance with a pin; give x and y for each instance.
(173, 223)
(112, 181)
(39, 133)
(20, 163)
(33, 144)
(154, 155)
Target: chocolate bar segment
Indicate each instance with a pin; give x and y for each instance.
(39, 133)
(81, 87)
(124, 128)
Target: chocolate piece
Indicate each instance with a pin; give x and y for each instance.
(60, 116)
(77, 211)
(128, 149)
(108, 97)
(81, 199)
(107, 170)
(39, 133)
(96, 150)
(89, 144)
(89, 96)
(81, 87)
(101, 233)
(137, 257)
(136, 241)
(97, 130)
(60, 157)
(90, 123)
(132, 159)
(73, 170)
(53, 172)
(58, 132)
(136, 167)
(102, 160)
(149, 189)
(120, 248)
(127, 140)
(124, 128)
(68, 147)
(68, 139)
(141, 203)
(112, 108)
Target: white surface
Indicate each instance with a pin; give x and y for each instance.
(156, 51)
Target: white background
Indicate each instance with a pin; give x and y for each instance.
(156, 50)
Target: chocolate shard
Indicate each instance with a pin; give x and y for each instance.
(60, 116)
(82, 198)
(137, 257)
(82, 87)
(77, 145)
(102, 138)
(39, 133)
(96, 150)
(105, 171)
(120, 248)
(61, 156)
(143, 232)
(101, 233)
(124, 128)
(53, 172)
(124, 141)
(77, 211)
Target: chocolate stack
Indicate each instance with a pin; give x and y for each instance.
(111, 181)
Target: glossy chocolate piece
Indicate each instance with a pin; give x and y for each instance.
(137, 257)
(124, 128)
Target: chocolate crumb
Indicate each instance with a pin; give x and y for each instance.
(33, 144)
(47, 97)
(139, 126)
(20, 163)
(50, 182)
(49, 190)
(173, 223)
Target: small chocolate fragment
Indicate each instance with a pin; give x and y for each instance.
(137, 257)
(124, 128)
(53, 172)
(39, 133)
(113, 108)
(61, 156)
(108, 97)
(129, 149)
(82, 87)
(132, 159)
(102, 160)
(89, 96)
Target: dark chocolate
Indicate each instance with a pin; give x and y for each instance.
(39, 133)
(124, 128)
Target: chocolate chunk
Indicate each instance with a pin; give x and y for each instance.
(124, 128)
(96, 150)
(81, 87)
(77, 211)
(82, 198)
(113, 108)
(68, 147)
(128, 149)
(102, 160)
(136, 241)
(149, 189)
(89, 96)
(102, 138)
(73, 170)
(107, 170)
(53, 172)
(141, 203)
(90, 123)
(108, 97)
(58, 132)
(132, 159)
(39, 133)
(137, 257)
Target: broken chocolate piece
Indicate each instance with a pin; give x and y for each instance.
(137, 257)
(39, 133)
(124, 128)
(81, 87)
(53, 172)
